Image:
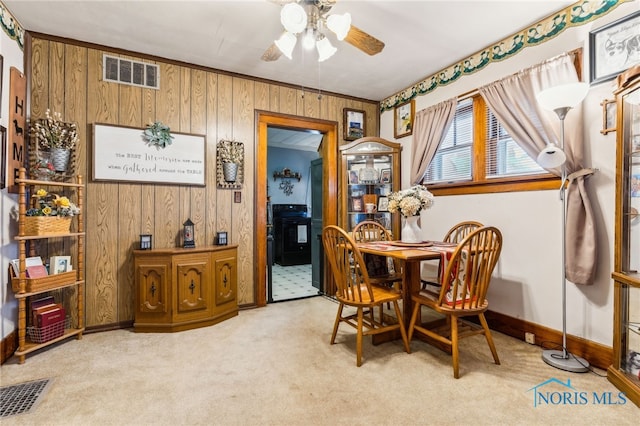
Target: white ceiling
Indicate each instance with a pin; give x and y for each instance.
(421, 37)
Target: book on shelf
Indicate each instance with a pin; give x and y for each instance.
(29, 261)
(50, 317)
(37, 271)
(42, 309)
(43, 301)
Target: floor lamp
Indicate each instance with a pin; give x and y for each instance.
(560, 99)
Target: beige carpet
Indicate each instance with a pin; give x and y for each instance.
(274, 366)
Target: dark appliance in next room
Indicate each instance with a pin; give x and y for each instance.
(292, 234)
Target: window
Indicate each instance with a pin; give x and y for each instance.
(478, 155)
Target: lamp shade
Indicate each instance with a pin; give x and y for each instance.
(325, 49)
(551, 157)
(286, 43)
(309, 39)
(293, 18)
(563, 96)
(339, 24)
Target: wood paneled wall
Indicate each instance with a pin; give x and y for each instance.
(67, 77)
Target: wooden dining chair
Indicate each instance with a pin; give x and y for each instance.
(382, 270)
(463, 293)
(453, 236)
(354, 289)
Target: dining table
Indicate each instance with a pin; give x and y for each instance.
(410, 255)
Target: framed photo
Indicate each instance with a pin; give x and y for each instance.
(385, 176)
(353, 177)
(403, 116)
(353, 124)
(59, 264)
(356, 204)
(383, 204)
(611, 48)
(146, 242)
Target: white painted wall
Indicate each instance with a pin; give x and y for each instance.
(527, 280)
(12, 57)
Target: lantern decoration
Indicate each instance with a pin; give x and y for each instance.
(188, 236)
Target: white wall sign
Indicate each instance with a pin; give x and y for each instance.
(122, 154)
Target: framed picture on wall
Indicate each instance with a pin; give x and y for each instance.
(613, 48)
(353, 124)
(403, 116)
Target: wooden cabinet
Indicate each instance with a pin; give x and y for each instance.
(34, 338)
(625, 371)
(179, 289)
(369, 172)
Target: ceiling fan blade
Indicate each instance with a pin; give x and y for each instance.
(363, 41)
(272, 53)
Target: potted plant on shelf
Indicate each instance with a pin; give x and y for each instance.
(231, 154)
(57, 136)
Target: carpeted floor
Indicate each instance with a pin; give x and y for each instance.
(274, 366)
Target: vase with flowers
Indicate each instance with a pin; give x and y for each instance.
(410, 202)
(58, 137)
(49, 214)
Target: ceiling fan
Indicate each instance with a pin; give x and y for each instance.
(310, 18)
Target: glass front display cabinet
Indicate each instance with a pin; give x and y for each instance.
(625, 371)
(370, 171)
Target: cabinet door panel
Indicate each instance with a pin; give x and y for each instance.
(226, 277)
(192, 285)
(153, 288)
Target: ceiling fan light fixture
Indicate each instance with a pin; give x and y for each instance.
(286, 43)
(293, 18)
(339, 24)
(325, 49)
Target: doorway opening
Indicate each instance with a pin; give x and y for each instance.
(265, 186)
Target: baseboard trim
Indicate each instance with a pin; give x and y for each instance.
(598, 355)
(8, 346)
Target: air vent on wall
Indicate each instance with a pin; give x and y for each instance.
(126, 71)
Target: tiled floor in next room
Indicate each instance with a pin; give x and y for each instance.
(291, 282)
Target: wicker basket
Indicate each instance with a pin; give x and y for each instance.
(44, 283)
(47, 225)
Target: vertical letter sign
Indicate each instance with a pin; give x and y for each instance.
(16, 128)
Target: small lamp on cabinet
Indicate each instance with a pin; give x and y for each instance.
(188, 235)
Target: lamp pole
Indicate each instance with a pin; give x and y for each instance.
(561, 99)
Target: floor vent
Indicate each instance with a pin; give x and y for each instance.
(21, 398)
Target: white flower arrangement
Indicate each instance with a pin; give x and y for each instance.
(52, 132)
(230, 151)
(410, 201)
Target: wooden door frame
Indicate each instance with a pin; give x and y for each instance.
(329, 154)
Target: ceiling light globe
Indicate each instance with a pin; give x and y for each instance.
(325, 49)
(309, 39)
(286, 43)
(293, 18)
(339, 24)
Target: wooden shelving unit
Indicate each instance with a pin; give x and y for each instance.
(25, 288)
